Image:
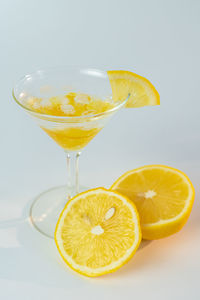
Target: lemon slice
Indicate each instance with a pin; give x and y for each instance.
(97, 232)
(141, 90)
(163, 196)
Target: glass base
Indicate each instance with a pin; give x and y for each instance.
(46, 208)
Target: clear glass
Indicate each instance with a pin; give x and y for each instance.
(70, 133)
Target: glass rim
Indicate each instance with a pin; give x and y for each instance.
(65, 118)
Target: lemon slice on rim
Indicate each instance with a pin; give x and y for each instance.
(141, 90)
(97, 232)
(163, 196)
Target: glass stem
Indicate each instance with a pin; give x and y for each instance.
(72, 173)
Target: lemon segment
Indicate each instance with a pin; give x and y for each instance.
(140, 90)
(163, 196)
(98, 232)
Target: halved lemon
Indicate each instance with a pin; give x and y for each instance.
(141, 90)
(163, 196)
(97, 232)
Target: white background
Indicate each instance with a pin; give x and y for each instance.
(157, 39)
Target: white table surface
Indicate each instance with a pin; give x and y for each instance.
(157, 39)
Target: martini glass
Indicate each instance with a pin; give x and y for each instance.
(72, 133)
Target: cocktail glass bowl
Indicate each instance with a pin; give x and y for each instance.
(72, 133)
